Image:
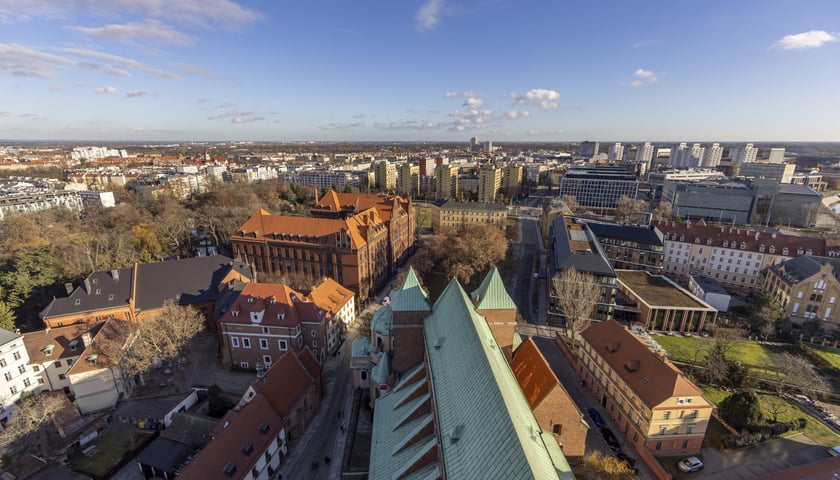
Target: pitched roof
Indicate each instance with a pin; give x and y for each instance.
(575, 246)
(232, 432)
(648, 235)
(798, 269)
(357, 202)
(533, 372)
(652, 378)
(274, 304)
(312, 365)
(383, 321)
(100, 290)
(380, 372)
(491, 294)
(38, 343)
(298, 229)
(752, 238)
(331, 295)
(110, 336)
(410, 297)
(472, 382)
(285, 382)
(7, 336)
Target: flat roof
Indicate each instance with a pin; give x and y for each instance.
(656, 290)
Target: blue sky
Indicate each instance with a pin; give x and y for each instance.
(506, 70)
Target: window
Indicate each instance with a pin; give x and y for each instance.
(246, 342)
(78, 301)
(263, 344)
(666, 415)
(62, 376)
(364, 375)
(70, 361)
(314, 343)
(22, 368)
(689, 430)
(57, 364)
(13, 389)
(685, 444)
(693, 414)
(16, 355)
(662, 430)
(8, 376)
(659, 445)
(2, 362)
(234, 342)
(243, 365)
(267, 360)
(27, 382)
(312, 333)
(36, 368)
(266, 330)
(557, 428)
(282, 345)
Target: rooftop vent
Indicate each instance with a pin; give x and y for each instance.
(644, 380)
(229, 469)
(631, 365)
(247, 448)
(264, 427)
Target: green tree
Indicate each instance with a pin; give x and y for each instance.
(741, 410)
(7, 317)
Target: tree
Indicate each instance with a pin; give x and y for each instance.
(463, 253)
(795, 372)
(30, 426)
(764, 313)
(775, 406)
(599, 466)
(577, 296)
(663, 211)
(162, 337)
(623, 207)
(741, 410)
(572, 203)
(7, 317)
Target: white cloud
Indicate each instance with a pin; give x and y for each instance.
(149, 30)
(473, 102)
(106, 90)
(806, 40)
(514, 114)
(28, 62)
(246, 119)
(121, 61)
(428, 16)
(136, 93)
(541, 97)
(110, 70)
(643, 77)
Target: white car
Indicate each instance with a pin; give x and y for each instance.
(834, 451)
(690, 464)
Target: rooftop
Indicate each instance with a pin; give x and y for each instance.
(574, 246)
(658, 290)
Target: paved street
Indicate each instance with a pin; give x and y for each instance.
(750, 463)
(526, 288)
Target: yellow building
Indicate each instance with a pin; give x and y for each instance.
(806, 287)
(408, 180)
(653, 404)
(452, 215)
(489, 182)
(446, 181)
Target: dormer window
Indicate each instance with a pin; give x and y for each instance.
(229, 469)
(234, 313)
(772, 249)
(247, 448)
(761, 248)
(800, 251)
(743, 245)
(708, 241)
(281, 316)
(696, 239)
(92, 359)
(725, 244)
(74, 344)
(682, 238)
(785, 251)
(48, 350)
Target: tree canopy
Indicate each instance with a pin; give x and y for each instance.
(463, 253)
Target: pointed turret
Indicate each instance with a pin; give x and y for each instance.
(492, 301)
(409, 306)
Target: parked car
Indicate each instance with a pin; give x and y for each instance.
(609, 437)
(596, 417)
(631, 464)
(834, 451)
(690, 464)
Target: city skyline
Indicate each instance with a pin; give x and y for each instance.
(431, 70)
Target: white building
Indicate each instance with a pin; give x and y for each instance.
(712, 156)
(776, 155)
(645, 153)
(742, 155)
(18, 376)
(616, 152)
(683, 157)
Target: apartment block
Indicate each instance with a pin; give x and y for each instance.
(453, 215)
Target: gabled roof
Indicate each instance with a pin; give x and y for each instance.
(383, 321)
(801, 268)
(356, 202)
(473, 382)
(110, 336)
(38, 343)
(299, 229)
(99, 291)
(533, 373)
(491, 294)
(7, 336)
(278, 305)
(380, 372)
(285, 382)
(410, 297)
(312, 365)
(256, 424)
(331, 295)
(652, 378)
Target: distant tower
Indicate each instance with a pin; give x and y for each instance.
(616, 152)
(446, 181)
(589, 149)
(645, 153)
(776, 155)
(712, 156)
(741, 155)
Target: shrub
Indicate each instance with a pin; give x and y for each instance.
(759, 433)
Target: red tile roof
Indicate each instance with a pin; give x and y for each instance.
(275, 301)
(533, 373)
(234, 431)
(60, 338)
(330, 295)
(751, 237)
(111, 335)
(285, 382)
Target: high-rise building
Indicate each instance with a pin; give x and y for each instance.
(683, 157)
(408, 180)
(489, 182)
(742, 155)
(645, 153)
(427, 167)
(599, 187)
(446, 181)
(712, 156)
(589, 149)
(512, 180)
(385, 174)
(776, 155)
(616, 152)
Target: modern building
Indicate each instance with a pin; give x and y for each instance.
(512, 176)
(630, 247)
(732, 256)
(37, 201)
(452, 215)
(684, 157)
(776, 155)
(654, 406)
(446, 182)
(657, 303)
(489, 183)
(458, 412)
(724, 201)
(656, 180)
(588, 149)
(19, 377)
(141, 290)
(742, 155)
(794, 205)
(712, 156)
(710, 291)
(385, 175)
(645, 153)
(599, 187)
(324, 179)
(616, 152)
(408, 180)
(783, 172)
(806, 287)
(573, 245)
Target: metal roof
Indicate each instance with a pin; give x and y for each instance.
(491, 294)
(410, 297)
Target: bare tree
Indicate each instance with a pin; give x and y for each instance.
(577, 296)
(30, 426)
(795, 372)
(663, 211)
(599, 466)
(774, 405)
(572, 203)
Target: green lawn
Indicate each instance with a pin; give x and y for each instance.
(787, 411)
(110, 448)
(830, 355)
(759, 358)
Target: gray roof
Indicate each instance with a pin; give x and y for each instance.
(7, 336)
(594, 262)
(799, 268)
(99, 291)
(709, 285)
(410, 297)
(792, 189)
(646, 235)
(154, 407)
(164, 454)
(491, 294)
(190, 429)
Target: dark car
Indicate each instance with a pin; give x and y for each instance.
(596, 417)
(609, 437)
(631, 464)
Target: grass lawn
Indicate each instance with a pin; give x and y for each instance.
(759, 358)
(814, 429)
(110, 447)
(830, 355)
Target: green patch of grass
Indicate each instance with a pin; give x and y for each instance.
(715, 395)
(814, 429)
(760, 359)
(110, 448)
(830, 355)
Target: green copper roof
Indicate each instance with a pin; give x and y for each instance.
(410, 297)
(383, 321)
(491, 294)
(472, 382)
(361, 347)
(379, 373)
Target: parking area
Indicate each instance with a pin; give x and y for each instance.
(755, 462)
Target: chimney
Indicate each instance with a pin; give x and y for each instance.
(87, 285)
(68, 287)
(86, 339)
(115, 274)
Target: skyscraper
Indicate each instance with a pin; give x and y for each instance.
(644, 153)
(386, 175)
(616, 152)
(712, 156)
(684, 157)
(741, 155)
(446, 181)
(512, 180)
(489, 181)
(408, 179)
(776, 155)
(589, 149)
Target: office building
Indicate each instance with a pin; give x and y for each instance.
(645, 153)
(599, 187)
(657, 303)
(776, 155)
(630, 247)
(712, 156)
(783, 172)
(588, 149)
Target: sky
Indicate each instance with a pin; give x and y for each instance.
(420, 70)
